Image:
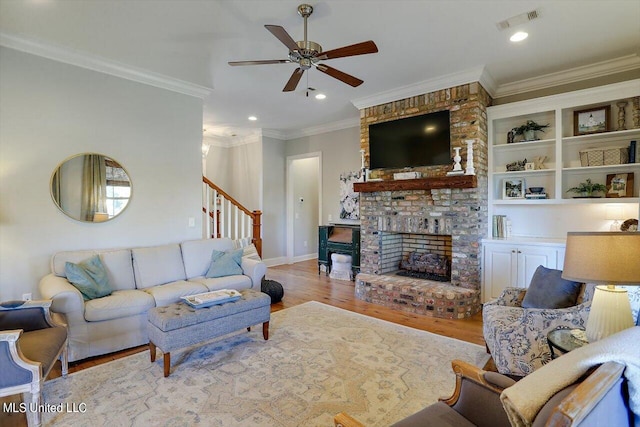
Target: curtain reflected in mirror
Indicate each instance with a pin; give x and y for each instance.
(91, 187)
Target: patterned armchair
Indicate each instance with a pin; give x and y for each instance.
(516, 337)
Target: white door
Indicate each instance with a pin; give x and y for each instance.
(529, 258)
(500, 269)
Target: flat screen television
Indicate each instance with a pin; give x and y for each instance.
(410, 142)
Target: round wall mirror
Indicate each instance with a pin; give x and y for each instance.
(91, 187)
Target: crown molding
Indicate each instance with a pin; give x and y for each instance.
(572, 75)
(314, 130)
(96, 63)
(477, 74)
(231, 141)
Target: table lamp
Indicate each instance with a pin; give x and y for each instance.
(607, 259)
(615, 213)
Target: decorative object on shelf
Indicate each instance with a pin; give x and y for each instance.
(470, 170)
(593, 120)
(516, 166)
(457, 168)
(529, 166)
(620, 185)
(538, 162)
(615, 213)
(587, 189)
(629, 225)
(636, 112)
(607, 259)
(632, 151)
(511, 135)
(534, 193)
(621, 114)
(513, 188)
(529, 129)
(349, 199)
(606, 156)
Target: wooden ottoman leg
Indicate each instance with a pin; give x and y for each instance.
(152, 351)
(265, 330)
(167, 363)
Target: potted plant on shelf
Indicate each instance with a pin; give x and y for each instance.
(586, 189)
(528, 130)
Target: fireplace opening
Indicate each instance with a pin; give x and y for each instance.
(428, 266)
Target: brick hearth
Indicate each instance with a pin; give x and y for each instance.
(418, 296)
(458, 212)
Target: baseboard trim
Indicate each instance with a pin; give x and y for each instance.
(272, 262)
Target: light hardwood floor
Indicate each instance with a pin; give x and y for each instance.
(302, 283)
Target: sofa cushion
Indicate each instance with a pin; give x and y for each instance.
(157, 265)
(196, 254)
(89, 277)
(225, 263)
(436, 415)
(117, 262)
(228, 282)
(549, 290)
(171, 292)
(118, 304)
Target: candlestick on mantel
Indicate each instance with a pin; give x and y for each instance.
(470, 170)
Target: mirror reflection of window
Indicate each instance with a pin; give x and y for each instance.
(91, 187)
(118, 188)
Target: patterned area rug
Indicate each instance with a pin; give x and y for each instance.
(319, 360)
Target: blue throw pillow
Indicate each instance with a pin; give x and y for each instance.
(549, 290)
(225, 263)
(89, 277)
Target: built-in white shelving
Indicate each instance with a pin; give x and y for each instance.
(562, 170)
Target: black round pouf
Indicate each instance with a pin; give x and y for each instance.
(273, 289)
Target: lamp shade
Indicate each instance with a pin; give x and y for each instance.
(602, 257)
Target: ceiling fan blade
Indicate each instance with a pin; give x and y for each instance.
(266, 61)
(352, 50)
(340, 75)
(282, 35)
(293, 80)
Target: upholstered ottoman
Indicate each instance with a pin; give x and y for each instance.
(179, 325)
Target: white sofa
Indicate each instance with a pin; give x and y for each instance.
(141, 278)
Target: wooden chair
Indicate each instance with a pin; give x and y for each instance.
(599, 398)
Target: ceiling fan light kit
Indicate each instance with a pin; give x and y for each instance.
(307, 54)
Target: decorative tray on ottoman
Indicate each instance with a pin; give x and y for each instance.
(207, 299)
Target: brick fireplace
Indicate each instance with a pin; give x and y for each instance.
(446, 214)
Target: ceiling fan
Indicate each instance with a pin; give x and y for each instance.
(307, 54)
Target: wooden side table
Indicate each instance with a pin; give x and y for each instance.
(565, 340)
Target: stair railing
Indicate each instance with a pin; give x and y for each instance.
(226, 217)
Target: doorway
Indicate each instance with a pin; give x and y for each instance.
(304, 205)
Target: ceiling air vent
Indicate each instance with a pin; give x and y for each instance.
(517, 20)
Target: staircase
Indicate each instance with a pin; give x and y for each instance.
(225, 217)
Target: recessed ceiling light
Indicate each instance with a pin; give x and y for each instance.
(321, 96)
(519, 36)
(253, 118)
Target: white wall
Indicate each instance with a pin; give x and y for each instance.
(340, 153)
(218, 166)
(245, 171)
(274, 243)
(50, 111)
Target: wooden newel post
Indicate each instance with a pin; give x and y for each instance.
(257, 239)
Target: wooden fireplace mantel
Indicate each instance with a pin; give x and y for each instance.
(459, 181)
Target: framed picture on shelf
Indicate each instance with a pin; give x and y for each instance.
(620, 185)
(513, 188)
(593, 120)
